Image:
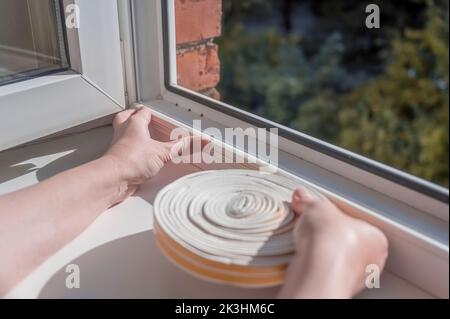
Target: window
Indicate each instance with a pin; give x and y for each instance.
(362, 114)
(335, 125)
(180, 72)
(60, 66)
(315, 67)
(37, 44)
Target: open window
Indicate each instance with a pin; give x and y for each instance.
(73, 61)
(60, 66)
(374, 174)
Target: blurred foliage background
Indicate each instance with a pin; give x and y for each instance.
(313, 65)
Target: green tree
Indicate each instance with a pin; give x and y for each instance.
(266, 72)
(381, 93)
(401, 118)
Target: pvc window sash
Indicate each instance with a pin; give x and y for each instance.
(93, 88)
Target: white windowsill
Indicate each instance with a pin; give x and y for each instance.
(117, 254)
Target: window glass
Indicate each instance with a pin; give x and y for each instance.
(332, 70)
(31, 40)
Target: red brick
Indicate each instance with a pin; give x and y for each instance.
(197, 19)
(199, 69)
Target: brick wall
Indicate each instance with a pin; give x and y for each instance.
(198, 22)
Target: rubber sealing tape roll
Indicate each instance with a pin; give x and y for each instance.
(228, 226)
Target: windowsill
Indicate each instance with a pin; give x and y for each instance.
(108, 267)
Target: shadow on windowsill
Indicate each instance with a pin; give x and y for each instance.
(113, 270)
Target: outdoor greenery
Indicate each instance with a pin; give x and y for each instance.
(314, 66)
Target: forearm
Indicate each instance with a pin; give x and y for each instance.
(37, 221)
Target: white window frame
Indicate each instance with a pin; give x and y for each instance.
(412, 212)
(92, 88)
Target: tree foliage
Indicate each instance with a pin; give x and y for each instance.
(382, 94)
(401, 117)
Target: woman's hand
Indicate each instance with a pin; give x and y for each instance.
(135, 155)
(333, 250)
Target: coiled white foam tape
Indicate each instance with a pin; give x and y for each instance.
(230, 226)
